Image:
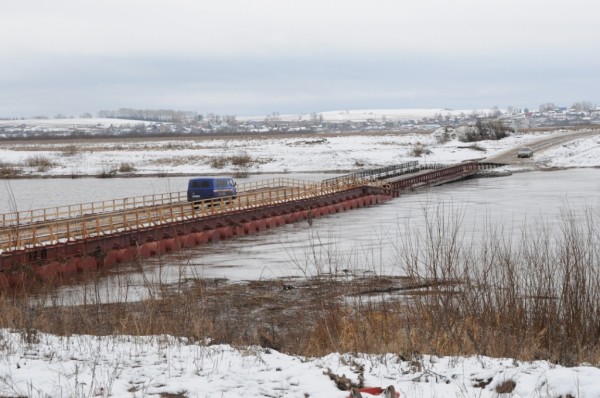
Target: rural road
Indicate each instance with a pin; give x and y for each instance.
(510, 156)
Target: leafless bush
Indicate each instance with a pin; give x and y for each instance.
(532, 297)
(487, 130)
(241, 160)
(219, 162)
(444, 137)
(419, 150)
(506, 387)
(126, 167)
(42, 163)
(107, 172)
(8, 170)
(241, 163)
(70, 150)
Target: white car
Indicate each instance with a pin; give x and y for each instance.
(525, 152)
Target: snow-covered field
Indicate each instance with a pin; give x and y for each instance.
(40, 365)
(272, 154)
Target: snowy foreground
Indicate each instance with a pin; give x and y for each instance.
(161, 366)
(42, 365)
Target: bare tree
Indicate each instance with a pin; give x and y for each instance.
(583, 106)
(548, 106)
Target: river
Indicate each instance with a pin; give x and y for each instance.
(355, 242)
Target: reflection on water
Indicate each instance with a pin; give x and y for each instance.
(359, 241)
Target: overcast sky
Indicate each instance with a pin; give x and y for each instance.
(255, 57)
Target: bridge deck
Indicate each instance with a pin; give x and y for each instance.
(88, 222)
(21, 231)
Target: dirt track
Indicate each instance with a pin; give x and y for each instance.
(510, 156)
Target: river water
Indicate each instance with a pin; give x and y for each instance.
(355, 242)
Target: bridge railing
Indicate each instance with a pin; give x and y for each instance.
(376, 173)
(114, 218)
(438, 173)
(77, 210)
(107, 206)
(273, 182)
(62, 230)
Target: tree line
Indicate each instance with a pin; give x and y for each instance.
(151, 115)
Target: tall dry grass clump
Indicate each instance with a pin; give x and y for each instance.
(9, 170)
(40, 162)
(529, 292)
(529, 296)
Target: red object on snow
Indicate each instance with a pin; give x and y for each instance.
(374, 391)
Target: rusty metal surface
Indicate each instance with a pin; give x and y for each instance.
(98, 245)
(82, 229)
(77, 227)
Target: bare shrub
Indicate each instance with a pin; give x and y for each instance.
(444, 136)
(40, 162)
(506, 387)
(416, 151)
(419, 150)
(487, 130)
(126, 167)
(241, 163)
(532, 297)
(107, 172)
(70, 150)
(8, 170)
(219, 162)
(241, 160)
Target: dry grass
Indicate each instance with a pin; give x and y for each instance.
(126, 168)
(506, 387)
(69, 150)
(534, 297)
(107, 171)
(418, 150)
(237, 161)
(9, 170)
(40, 162)
(180, 160)
(241, 163)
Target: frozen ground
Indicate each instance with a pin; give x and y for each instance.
(40, 365)
(270, 154)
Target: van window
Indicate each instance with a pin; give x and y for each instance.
(200, 184)
(210, 187)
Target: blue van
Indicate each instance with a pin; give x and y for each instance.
(202, 188)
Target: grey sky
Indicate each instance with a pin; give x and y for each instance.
(250, 57)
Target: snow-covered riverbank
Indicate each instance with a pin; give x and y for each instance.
(269, 154)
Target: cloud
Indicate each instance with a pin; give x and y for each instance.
(230, 27)
(260, 56)
(259, 84)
